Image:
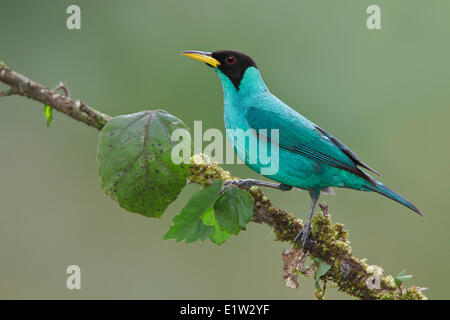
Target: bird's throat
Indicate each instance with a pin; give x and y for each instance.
(250, 84)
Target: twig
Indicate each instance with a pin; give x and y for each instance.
(6, 93)
(77, 109)
(347, 272)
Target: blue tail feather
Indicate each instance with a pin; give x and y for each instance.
(391, 194)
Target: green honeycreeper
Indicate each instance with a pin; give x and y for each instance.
(310, 158)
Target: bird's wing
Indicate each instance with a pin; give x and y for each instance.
(299, 135)
(346, 150)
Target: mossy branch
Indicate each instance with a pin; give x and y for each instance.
(349, 274)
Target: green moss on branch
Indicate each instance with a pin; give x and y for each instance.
(348, 273)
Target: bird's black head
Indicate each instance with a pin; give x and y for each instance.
(231, 63)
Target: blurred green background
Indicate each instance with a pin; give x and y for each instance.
(385, 93)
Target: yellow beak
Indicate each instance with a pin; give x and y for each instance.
(205, 57)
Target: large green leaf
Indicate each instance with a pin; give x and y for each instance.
(188, 225)
(234, 209)
(134, 161)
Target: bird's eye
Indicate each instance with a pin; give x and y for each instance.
(230, 60)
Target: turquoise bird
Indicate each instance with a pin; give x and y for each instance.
(309, 157)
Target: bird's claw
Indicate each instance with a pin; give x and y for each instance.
(248, 183)
(238, 183)
(285, 187)
(305, 237)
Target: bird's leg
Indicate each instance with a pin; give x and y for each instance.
(247, 183)
(306, 230)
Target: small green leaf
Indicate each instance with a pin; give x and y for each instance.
(234, 209)
(219, 236)
(189, 225)
(135, 164)
(48, 113)
(322, 269)
(402, 277)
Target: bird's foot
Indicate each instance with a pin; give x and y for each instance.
(285, 187)
(241, 183)
(305, 237)
(248, 183)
